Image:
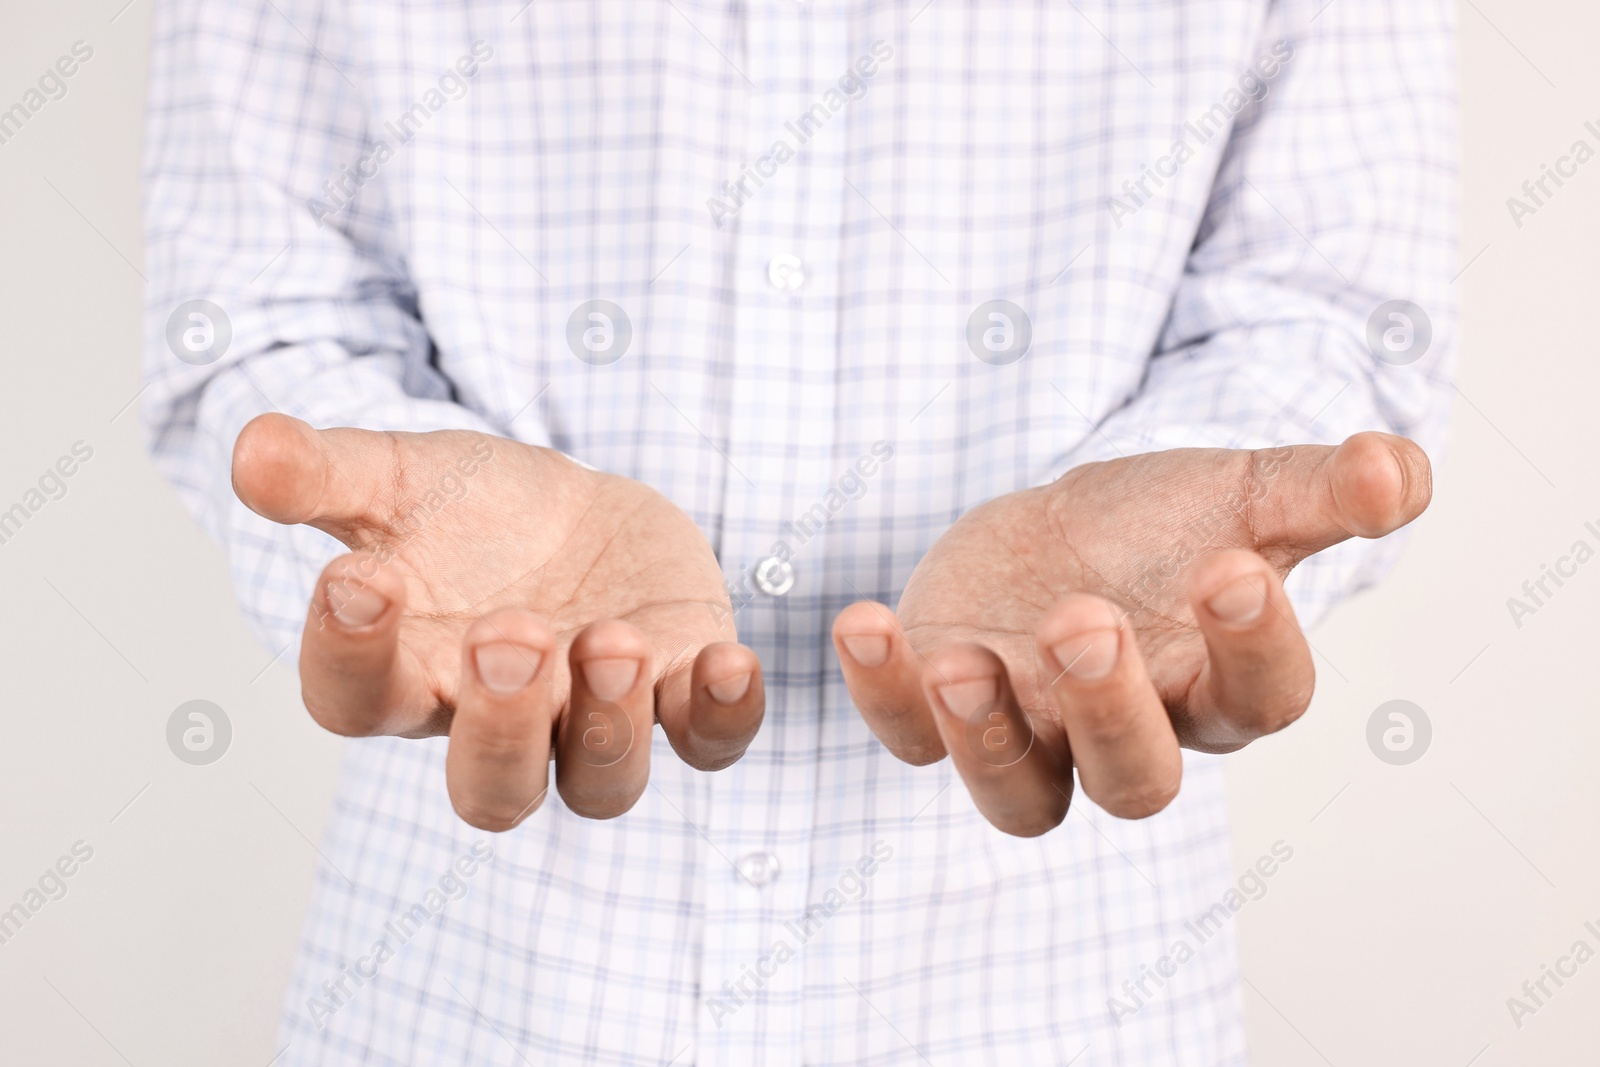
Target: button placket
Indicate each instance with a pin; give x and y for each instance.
(781, 348)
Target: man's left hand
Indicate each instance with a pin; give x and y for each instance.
(1128, 609)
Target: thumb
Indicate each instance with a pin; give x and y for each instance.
(1311, 497)
(338, 480)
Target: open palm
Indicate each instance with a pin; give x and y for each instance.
(1102, 621)
(504, 595)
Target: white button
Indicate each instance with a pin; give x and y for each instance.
(786, 271)
(758, 868)
(774, 576)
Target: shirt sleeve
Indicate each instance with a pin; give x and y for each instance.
(1334, 199)
(264, 296)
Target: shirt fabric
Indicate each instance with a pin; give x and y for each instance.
(786, 311)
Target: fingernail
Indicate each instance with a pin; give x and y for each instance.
(1240, 601)
(356, 606)
(1089, 655)
(504, 667)
(729, 690)
(610, 679)
(869, 650)
(961, 699)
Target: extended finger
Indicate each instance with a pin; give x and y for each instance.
(1258, 676)
(603, 741)
(355, 678)
(710, 709)
(338, 480)
(1020, 781)
(498, 765)
(884, 675)
(1306, 498)
(1121, 736)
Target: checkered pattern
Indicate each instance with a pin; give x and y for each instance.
(1229, 307)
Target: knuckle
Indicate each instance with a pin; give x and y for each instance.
(905, 729)
(500, 740)
(1294, 706)
(1274, 715)
(1281, 721)
(1105, 722)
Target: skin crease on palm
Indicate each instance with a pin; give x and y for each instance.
(1095, 624)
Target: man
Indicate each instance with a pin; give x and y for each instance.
(553, 370)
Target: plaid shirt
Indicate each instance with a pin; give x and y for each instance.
(798, 214)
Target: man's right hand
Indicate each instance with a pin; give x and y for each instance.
(503, 595)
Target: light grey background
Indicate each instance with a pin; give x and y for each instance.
(1419, 897)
